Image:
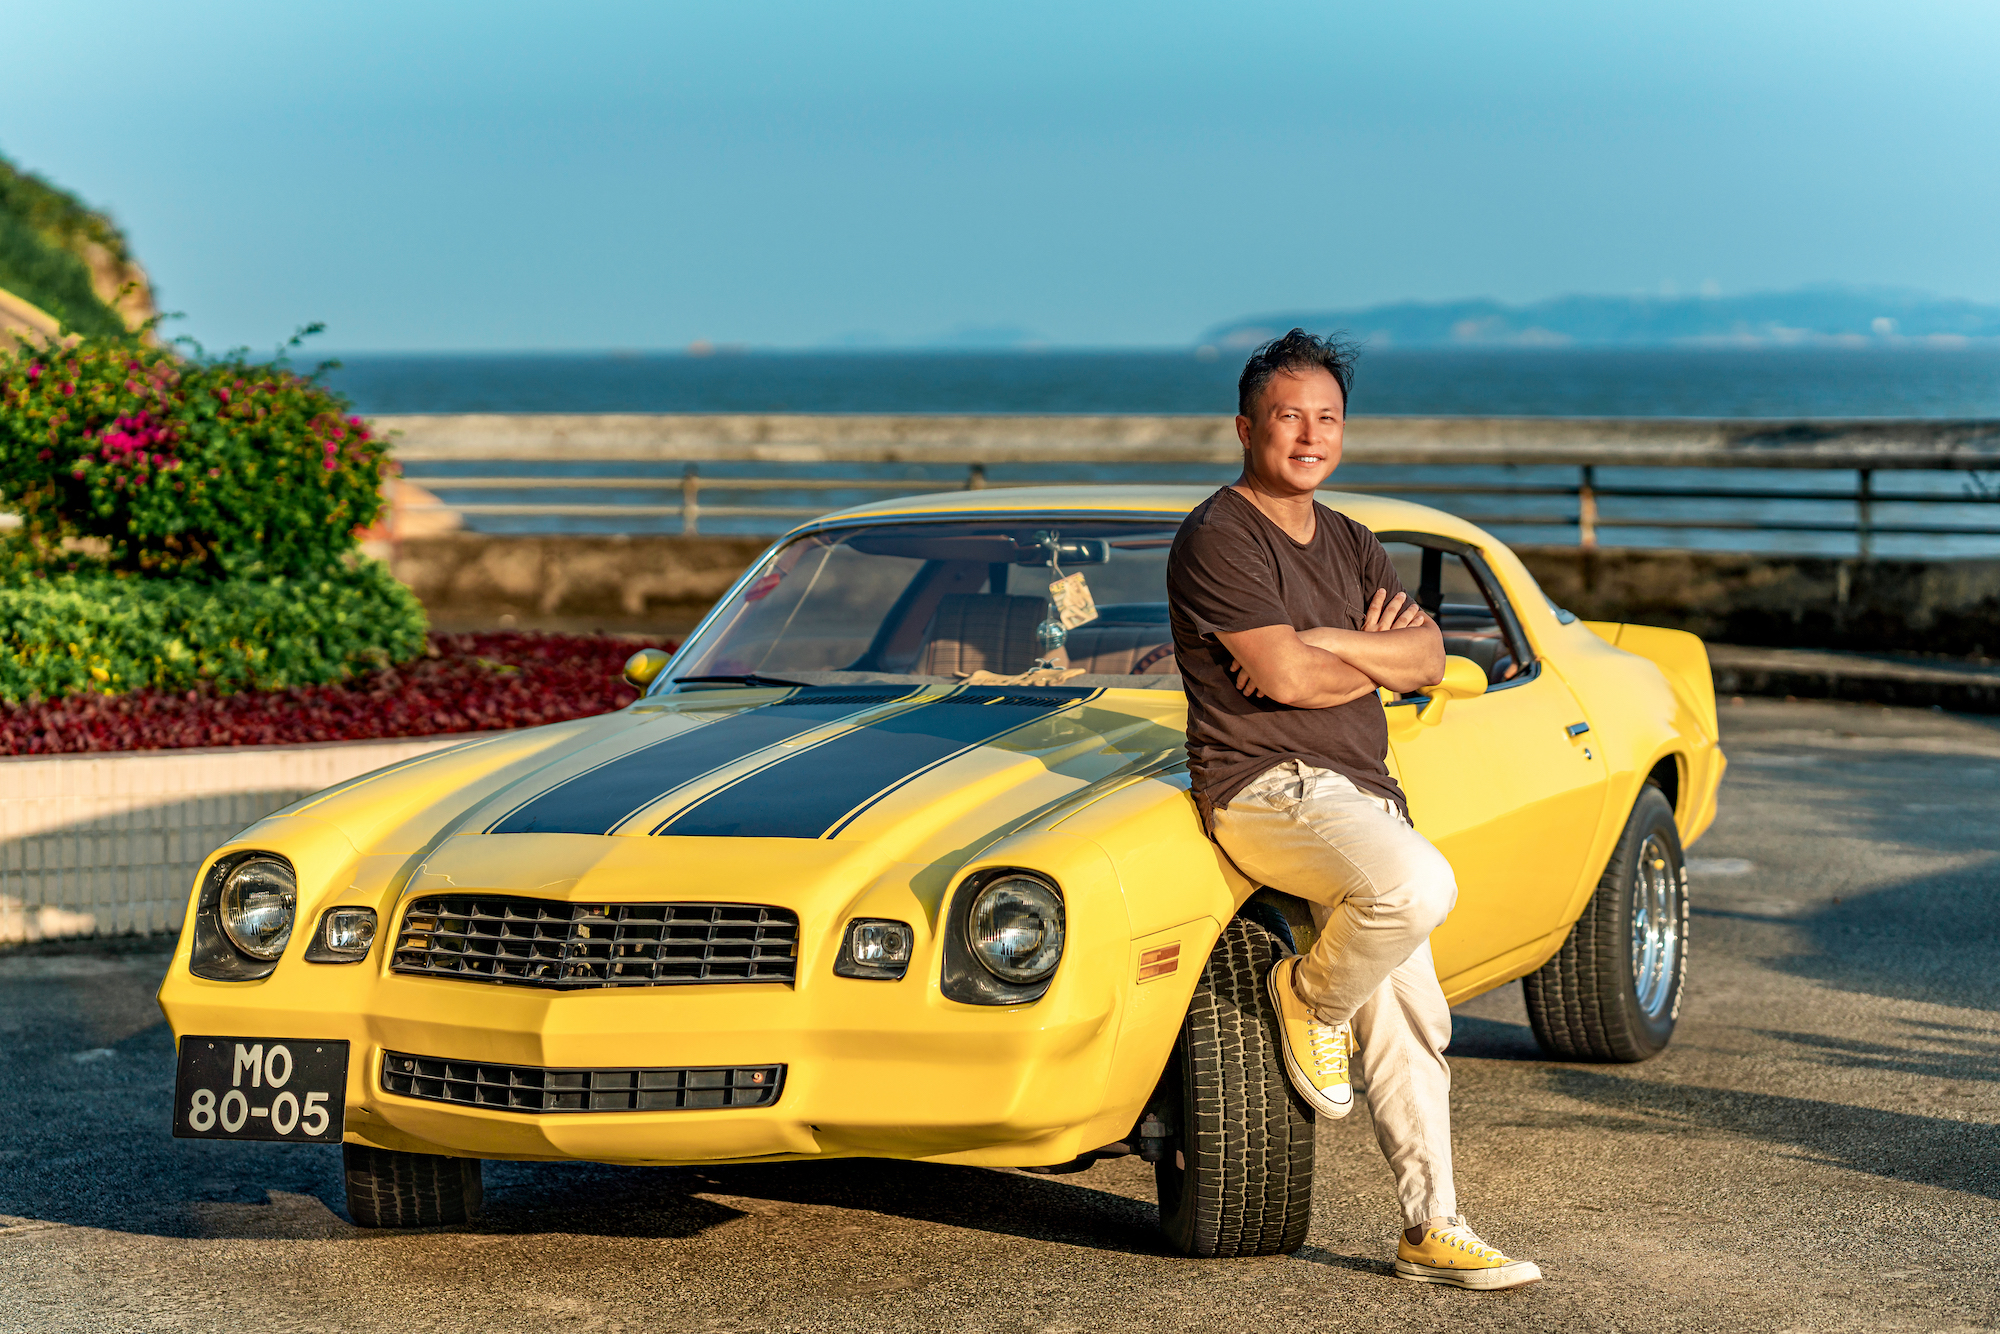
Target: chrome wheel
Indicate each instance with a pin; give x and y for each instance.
(1613, 991)
(1656, 926)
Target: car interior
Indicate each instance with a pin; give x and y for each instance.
(932, 603)
(1468, 607)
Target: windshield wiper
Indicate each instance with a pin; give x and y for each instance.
(746, 679)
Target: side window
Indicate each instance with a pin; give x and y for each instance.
(1467, 604)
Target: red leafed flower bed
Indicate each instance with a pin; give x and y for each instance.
(465, 683)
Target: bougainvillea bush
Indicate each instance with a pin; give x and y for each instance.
(460, 683)
(129, 459)
(183, 523)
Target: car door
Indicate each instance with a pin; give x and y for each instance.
(1504, 783)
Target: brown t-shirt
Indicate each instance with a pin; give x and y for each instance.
(1233, 569)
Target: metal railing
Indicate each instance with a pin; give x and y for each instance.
(973, 448)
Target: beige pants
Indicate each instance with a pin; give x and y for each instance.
(1378, 889)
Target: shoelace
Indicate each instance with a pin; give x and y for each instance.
(1329, 1050)
(1463, 1238)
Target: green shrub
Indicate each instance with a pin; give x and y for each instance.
(126, 458)
(64, 634)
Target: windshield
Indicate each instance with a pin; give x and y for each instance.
(936, 602)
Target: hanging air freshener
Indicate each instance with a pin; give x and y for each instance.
(1054, 628)
(1074, 605)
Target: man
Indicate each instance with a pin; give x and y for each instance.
(1287, 617)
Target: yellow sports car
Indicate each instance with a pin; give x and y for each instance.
(896, 858)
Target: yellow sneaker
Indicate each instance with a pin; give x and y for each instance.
(1315, 1053)
(1452, 1253)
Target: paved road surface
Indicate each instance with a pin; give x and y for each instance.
(1820, 1148)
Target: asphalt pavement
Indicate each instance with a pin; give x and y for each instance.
(1818, 1150)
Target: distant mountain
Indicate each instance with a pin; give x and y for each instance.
(1850, 315)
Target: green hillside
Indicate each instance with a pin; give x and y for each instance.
(50, 246)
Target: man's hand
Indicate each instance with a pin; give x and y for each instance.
(1387, 613)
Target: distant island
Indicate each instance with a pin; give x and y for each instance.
(1858, 316)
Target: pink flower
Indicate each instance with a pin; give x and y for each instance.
(69, 390)
(34, 371)
(46, 455)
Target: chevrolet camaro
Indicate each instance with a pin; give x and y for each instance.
(895, 857)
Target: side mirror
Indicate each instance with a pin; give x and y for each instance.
(644, 667)
(1463, 679)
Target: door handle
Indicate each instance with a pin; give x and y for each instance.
(1576, 730)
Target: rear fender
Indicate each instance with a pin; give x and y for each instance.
(1678, 654)
(1683, 660)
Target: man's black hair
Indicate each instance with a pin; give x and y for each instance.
(1296, 351)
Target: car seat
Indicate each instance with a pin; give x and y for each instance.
(973, 632)
(1121, 650)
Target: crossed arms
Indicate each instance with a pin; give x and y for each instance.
(1397, 646)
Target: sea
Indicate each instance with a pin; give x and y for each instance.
(1817, 381)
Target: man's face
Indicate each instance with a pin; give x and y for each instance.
(1292, 439)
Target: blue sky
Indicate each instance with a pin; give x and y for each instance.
(502, 175)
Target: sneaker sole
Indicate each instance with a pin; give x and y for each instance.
(1317, 1100)
(1518, 1274)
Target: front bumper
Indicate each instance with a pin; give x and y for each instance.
(879, 1069)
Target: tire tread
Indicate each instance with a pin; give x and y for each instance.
(389, 1188)
(1247, 1188)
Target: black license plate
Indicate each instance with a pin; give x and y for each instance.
(261, 1088)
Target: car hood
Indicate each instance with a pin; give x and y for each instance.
(774, 777)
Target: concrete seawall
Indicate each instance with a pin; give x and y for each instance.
(662, 585)
(1946, 606)
(915, 438)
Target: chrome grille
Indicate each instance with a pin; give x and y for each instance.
(534, 1088)
(565, 946)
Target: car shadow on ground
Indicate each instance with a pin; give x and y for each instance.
(1904, 1146)
(1492, 1040)
(610, 1201)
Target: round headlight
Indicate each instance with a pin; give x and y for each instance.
(258, 901)
(1016, 929)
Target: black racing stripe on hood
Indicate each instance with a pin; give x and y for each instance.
(599, 800)
(807, 796)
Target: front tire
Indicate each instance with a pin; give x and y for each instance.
(1236, 1176)
(388, 1188)
(1613, 991)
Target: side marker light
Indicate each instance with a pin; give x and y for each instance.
(1159, 961)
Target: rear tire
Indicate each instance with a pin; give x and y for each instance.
(1236, 1177)
(1613, 991)
(387, 1188)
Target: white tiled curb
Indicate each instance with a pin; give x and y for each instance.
(109, 844)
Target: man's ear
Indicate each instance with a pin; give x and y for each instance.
(1243, 431)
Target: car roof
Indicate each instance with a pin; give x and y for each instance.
(1379, 513)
